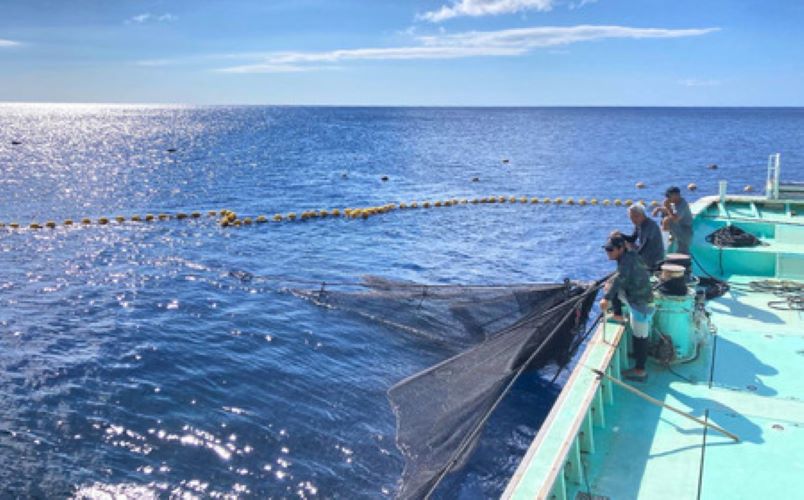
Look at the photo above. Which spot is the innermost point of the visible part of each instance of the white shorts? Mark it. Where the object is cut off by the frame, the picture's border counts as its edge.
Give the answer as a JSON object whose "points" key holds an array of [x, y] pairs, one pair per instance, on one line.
{"points": [[640, 322], [640, 319]]}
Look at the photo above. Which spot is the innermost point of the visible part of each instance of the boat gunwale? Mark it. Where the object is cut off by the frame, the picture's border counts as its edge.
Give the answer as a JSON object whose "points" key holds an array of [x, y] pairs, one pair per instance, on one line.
{"points": [[543, 490]]}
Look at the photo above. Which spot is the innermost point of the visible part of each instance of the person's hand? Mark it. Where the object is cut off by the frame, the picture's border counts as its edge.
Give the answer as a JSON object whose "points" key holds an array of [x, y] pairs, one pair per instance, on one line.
{"points": [[604, 305]]}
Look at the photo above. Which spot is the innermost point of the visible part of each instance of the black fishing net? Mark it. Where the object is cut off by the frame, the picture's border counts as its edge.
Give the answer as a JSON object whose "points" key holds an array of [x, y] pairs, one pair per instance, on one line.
{"points": [[732, 236], [712, 287], [498, 332]]}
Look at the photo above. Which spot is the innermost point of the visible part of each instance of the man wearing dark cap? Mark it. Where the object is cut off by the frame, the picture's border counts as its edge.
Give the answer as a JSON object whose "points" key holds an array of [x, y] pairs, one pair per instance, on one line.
{"points": [[631, 283], [677, 219]]}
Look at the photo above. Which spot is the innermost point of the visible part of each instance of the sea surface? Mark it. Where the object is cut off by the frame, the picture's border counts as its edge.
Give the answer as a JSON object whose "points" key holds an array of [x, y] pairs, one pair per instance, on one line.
{"points": [[169, 359]]}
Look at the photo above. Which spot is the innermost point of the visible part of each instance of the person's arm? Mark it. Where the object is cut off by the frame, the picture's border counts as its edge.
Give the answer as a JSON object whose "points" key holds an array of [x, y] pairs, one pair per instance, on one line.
{"points": [[661, 210], [630, 238], [614, 286], [611, 289], [669, 213]]}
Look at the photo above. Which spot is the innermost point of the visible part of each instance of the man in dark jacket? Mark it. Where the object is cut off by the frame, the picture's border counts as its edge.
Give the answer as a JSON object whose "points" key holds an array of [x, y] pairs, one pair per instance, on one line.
{"points": [[631, 283], [647, 237]]}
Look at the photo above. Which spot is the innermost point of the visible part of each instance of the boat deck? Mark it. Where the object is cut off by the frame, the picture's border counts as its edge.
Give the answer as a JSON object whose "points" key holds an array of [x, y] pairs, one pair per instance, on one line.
{"points": [[746, 380], [601, 441]]}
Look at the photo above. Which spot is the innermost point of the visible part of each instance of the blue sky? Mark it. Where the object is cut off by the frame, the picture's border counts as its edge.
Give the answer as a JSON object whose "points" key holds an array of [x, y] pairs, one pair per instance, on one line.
{"points": [[404, 52]]}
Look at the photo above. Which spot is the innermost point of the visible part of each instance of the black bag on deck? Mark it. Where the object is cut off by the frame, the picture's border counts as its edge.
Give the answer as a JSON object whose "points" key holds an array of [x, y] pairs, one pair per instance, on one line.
{"points": [[734, 237]]}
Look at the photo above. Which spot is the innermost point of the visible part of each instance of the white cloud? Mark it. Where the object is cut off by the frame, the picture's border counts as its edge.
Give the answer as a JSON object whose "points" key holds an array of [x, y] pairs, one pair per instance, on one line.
{"points": [[287, 62], [503, 43], [140, 18], [8, 43], [148, 17], [268, 68], [391, 53], [694, 82], [477, 8], [549, 36], [578, 5]]}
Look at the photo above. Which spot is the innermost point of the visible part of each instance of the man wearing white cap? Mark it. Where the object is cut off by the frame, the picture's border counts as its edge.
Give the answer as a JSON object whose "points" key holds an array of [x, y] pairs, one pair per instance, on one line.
{"points": [[647, 237]]}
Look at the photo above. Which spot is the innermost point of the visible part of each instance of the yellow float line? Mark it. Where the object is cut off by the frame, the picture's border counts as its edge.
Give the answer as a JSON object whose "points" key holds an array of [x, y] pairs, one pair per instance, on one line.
{"points": [[229, 218]]}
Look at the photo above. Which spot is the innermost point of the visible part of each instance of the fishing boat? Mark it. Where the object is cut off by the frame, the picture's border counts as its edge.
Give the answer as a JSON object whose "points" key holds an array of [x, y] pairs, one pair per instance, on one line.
{"points": [[721, 416]]}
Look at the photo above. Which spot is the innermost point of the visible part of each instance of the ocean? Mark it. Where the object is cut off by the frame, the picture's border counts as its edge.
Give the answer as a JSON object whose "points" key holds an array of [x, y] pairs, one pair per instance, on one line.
{"points": [[168, 358]]}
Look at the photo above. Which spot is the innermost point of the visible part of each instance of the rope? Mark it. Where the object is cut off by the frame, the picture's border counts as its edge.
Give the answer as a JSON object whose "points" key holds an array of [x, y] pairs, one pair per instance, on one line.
{"points": [[790, 304], [662, 404], [777, 287], [231, 219], [574, 348], [245, 276], [790, 292]]}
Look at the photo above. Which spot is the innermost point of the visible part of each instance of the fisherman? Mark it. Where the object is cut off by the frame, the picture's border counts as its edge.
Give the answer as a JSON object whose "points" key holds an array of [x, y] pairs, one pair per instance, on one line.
{"points": [[647, 237], [631, 283], [677, 219], [646, 240]]}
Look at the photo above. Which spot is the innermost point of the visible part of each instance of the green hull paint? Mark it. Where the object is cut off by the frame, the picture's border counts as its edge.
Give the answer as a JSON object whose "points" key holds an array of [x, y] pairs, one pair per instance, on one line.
{"points": [[746, 378]]}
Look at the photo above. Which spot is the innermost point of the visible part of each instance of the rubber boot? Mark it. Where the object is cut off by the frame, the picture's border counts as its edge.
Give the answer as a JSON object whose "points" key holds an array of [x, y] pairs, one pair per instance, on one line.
{"points": [[640, 352]]}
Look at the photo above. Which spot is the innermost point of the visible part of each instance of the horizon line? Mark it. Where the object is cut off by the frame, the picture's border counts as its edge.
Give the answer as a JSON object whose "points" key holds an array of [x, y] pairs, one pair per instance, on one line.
{"points": [[321, 105]]}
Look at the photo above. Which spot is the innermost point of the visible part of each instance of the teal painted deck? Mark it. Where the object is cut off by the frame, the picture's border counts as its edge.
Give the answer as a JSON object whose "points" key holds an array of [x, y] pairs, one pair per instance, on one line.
{"points": [[748, 379]]}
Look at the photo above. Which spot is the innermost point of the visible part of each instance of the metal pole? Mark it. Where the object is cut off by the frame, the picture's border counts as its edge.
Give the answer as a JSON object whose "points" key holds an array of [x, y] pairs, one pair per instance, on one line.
{"points": [[644, 396]]}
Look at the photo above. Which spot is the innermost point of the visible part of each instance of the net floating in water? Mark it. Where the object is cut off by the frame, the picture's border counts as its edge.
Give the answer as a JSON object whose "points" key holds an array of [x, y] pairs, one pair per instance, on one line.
{"points": [[497, 332]]}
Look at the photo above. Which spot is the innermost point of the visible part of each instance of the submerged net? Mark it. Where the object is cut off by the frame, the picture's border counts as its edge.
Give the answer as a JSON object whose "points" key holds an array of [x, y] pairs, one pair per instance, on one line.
{"points": [[497, 332]]}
